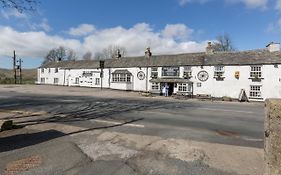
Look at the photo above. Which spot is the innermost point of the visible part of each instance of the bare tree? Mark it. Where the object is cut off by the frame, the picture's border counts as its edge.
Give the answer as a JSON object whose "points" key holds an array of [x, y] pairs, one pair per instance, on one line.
{"points": [[112, 51], [87, 56], [71, 55], [51, 56], [224, 43], [98, 56], [60, 54], [20, 5]]}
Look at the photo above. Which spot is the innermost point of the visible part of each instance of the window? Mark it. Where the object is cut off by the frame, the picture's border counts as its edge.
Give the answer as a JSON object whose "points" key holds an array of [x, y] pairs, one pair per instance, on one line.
{"points": [[256, 72], [97, 81], [219, 71], [155, 86], [154, 72], [42, 70], [56, 80], [49, 70], [56, 70], [121, 78], [42, 80], [255, 92], [187, 72], [76, 80], [184, 87]]}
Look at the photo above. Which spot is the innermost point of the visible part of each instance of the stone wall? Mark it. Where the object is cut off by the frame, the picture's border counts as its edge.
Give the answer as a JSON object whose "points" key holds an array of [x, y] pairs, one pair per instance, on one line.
{"points": [[273, 137]]}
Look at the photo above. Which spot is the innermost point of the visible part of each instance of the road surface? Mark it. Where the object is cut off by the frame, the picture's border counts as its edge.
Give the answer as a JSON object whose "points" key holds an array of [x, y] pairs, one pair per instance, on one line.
{"points": [[232, 124]]}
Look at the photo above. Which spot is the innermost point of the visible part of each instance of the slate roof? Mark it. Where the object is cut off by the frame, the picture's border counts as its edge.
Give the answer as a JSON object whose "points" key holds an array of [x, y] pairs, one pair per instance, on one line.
{"points": [[254, 57], [121, 71]]}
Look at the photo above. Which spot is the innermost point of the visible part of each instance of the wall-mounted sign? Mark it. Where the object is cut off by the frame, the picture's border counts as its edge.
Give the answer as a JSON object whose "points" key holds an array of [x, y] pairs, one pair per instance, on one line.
{"points": [[170, 71], [237, 74], [203, 75], [141, 75]]}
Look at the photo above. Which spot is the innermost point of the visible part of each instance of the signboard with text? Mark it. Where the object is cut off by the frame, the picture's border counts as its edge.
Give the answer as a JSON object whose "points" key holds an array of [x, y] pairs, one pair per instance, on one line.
{"points": [[170, 71]]}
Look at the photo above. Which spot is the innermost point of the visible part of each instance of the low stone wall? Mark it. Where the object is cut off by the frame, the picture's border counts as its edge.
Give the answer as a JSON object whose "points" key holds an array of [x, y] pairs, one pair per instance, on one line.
{"points": [[273, 137]]}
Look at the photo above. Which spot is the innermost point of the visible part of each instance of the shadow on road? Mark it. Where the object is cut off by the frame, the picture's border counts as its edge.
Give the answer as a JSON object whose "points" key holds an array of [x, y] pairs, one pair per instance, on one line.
{"points": [[24, 140]]}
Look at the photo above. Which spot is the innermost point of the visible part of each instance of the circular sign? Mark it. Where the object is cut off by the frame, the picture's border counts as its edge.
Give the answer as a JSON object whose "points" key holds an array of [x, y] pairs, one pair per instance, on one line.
{"points": [[141, 75], [203, 75]]}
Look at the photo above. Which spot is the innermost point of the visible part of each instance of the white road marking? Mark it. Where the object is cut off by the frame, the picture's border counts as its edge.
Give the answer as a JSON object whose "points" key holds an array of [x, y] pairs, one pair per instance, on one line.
{"points": [[227, 110], [251, 139], [118, 123]]}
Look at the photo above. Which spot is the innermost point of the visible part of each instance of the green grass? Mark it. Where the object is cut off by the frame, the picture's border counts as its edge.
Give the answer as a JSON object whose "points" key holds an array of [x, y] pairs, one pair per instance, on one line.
{"points": [[29, 76]]}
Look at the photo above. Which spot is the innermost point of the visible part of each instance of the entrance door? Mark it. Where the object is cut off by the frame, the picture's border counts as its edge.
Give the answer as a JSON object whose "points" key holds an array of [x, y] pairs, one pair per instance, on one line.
{"points": [[171, 88]]}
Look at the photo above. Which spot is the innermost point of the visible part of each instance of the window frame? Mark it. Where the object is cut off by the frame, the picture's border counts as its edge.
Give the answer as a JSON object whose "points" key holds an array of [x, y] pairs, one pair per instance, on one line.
{"points": [[184, 87], [256, 72], [97, 81], [121, 78], [155, 86], [255, 92], [76, 80], [219, 71], [56, 80], [187, 71], [154, 72]]}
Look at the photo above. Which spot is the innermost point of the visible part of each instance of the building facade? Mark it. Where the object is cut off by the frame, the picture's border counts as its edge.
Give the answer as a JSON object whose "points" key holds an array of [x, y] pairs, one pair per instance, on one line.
{"points": [[256, 74]]}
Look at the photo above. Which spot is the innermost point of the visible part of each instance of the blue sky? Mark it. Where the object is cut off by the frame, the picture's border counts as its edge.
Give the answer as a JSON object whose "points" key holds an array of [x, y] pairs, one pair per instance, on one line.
{"points": [[167, 26]]}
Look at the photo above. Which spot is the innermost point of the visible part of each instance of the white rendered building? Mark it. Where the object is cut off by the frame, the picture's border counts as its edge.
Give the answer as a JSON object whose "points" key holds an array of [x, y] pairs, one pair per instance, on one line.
{"points": [[257, 73]]}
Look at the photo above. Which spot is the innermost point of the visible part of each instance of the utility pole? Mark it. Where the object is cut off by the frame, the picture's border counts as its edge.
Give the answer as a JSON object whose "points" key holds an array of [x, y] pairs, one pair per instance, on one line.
{"points": [[20, 70], [101, 73], [14, 67]]}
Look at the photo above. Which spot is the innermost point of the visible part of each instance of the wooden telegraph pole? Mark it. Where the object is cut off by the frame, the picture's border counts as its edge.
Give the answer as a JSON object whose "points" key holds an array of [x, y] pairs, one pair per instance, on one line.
{"points": [[14, 67], [20, 72]]}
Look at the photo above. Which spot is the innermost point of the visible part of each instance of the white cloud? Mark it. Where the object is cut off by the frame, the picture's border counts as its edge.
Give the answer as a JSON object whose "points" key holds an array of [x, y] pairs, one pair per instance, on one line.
{"points": [[12, 13], [36, 44], [184, 2], [31, 44], [249, 3], [274, 28], [278, 5], [82, 30], [177, 31], [44, 24]]}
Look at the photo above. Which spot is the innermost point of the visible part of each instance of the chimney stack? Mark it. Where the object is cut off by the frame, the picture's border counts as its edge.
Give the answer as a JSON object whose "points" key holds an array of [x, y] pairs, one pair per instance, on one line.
{"points": [[273, 47], [209, 48], [148, 53], [118, 54]]}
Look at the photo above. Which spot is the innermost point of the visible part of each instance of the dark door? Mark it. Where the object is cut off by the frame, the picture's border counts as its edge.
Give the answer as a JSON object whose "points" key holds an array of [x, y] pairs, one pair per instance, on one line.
{"points": [[171, 88]]}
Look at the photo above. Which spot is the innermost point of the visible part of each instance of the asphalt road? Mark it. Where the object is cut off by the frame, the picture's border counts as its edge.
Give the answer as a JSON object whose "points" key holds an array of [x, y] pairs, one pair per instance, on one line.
{"points": [[226, 123], [216, 122]]}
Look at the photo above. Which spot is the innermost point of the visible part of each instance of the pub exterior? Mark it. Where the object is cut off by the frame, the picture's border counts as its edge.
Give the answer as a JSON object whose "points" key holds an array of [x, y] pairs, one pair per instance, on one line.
{"points": [[214, 74]]}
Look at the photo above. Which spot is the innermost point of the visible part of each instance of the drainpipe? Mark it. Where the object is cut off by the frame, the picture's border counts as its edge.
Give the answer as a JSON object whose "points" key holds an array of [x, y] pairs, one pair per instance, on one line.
{"points": [[64, 77], [146, 84]]}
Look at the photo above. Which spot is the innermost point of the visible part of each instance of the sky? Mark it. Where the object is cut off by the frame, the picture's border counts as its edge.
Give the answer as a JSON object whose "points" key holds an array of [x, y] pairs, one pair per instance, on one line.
{"points": [[166, 26]]}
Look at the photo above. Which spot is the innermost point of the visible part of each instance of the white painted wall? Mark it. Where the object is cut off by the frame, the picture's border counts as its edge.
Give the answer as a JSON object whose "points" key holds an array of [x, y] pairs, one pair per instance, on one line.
{"points": [[230, 86]]}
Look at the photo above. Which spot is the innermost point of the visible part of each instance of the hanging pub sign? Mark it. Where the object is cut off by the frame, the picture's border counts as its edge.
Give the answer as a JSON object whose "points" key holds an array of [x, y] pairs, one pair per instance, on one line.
{"points": [[170, 71]]}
